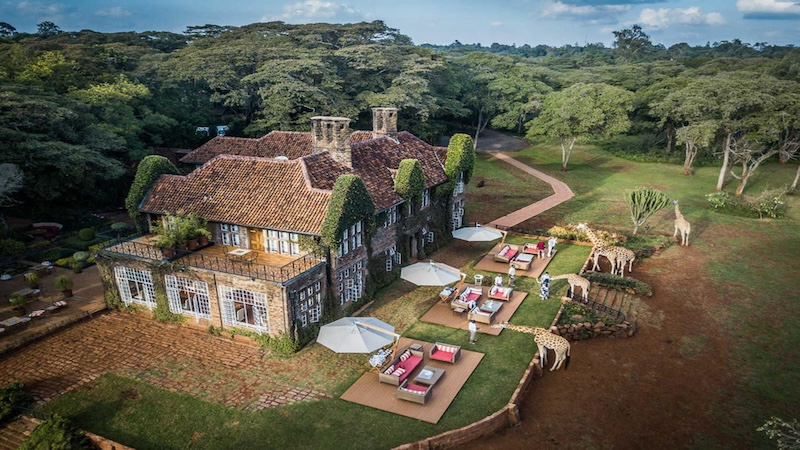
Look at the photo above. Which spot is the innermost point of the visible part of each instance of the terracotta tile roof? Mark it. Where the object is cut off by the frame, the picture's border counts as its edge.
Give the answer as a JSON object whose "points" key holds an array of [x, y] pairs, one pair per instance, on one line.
{"points": [[373, 160], [254, 192], [290, 144]]}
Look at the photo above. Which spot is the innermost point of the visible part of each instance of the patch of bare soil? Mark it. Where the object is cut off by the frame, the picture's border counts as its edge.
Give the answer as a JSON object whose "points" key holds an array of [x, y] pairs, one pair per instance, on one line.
{"points": [[654, 390]]}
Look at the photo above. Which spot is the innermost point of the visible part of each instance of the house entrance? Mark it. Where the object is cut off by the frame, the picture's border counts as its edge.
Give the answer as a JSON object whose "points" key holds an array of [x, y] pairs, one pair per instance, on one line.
{"points": [[256, 237], [412, 244]]}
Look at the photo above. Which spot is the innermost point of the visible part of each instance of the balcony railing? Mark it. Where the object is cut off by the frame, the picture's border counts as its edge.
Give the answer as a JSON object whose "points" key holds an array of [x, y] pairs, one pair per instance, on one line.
{"points": [[254, 270]]}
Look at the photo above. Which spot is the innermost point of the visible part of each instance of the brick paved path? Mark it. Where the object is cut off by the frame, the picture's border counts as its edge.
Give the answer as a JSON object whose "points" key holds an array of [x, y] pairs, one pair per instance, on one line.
{"points": [[167, 356]]}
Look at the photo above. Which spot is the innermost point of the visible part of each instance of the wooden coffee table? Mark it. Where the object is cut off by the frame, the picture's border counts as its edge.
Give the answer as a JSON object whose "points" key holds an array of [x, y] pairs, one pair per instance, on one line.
{"points": [[436, 373]]}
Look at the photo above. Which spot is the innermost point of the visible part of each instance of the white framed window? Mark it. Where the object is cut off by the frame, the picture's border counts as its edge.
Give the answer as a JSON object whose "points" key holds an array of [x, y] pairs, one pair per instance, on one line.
{"points": [[244, 308], [135, 286], [430, 237], [389, 265], [309, 308], [351, 282], [351, 238], [459, 188], [230, 234], [283, 242], [187, 296], [426, 198], [391, 216]]}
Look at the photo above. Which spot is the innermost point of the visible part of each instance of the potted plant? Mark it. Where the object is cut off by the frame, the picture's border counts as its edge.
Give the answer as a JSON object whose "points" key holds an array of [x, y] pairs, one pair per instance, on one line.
{"points": [[64, 284], [166, 242], [203, 235], [80, 261], [33, 280], [17, 301]]}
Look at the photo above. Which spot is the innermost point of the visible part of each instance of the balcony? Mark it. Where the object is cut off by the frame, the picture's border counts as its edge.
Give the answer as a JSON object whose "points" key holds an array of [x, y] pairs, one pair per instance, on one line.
{"points": [[261, 265]]}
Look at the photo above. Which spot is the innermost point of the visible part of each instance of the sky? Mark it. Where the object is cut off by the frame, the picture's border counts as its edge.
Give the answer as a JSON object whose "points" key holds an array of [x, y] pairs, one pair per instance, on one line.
{"points": [[533, 22]]}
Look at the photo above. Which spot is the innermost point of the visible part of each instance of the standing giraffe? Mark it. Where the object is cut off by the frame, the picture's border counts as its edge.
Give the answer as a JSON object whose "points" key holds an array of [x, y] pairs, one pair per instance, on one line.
{"points": [[617, 256], [575, 280], [544, 340], [682, 225]]}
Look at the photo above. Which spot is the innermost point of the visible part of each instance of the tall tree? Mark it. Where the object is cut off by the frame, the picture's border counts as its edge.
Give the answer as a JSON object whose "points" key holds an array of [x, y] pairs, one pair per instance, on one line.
{"points": [[632, 43], [582, 111]]}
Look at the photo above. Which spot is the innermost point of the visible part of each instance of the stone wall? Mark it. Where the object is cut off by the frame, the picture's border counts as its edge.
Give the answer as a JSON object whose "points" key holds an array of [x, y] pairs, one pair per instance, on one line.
{"points": [[503, 418], [588, 330]]}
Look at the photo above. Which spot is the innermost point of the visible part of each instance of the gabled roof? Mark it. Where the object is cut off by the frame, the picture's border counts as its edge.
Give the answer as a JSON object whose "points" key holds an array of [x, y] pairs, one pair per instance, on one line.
{"points": [[254, 192], [292, 195]]}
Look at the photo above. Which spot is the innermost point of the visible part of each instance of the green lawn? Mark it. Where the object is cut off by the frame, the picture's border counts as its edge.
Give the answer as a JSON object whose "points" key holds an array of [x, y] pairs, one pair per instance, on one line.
{"points": [[752, 263]]}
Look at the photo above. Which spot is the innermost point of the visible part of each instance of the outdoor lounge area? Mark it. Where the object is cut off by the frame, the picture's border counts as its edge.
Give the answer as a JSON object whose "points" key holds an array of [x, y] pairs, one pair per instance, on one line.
{"points": [[434, 393], [527, 264], [488, 311]]}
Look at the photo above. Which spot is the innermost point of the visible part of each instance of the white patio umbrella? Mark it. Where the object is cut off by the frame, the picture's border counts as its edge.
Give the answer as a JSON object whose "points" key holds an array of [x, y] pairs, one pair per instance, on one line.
{"points": [[475, 234], [430, 274], [356, 335]]}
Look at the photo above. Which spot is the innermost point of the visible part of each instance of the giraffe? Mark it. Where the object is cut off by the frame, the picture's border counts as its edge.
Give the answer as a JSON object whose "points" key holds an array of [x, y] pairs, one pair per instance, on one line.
{"points": [[682, 225], [575, 280], [544, 340], [617, 256]]}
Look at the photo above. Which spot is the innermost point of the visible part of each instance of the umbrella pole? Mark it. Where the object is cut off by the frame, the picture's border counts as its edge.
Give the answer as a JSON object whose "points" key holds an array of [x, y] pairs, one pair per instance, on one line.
{"points": [[505, 233]]}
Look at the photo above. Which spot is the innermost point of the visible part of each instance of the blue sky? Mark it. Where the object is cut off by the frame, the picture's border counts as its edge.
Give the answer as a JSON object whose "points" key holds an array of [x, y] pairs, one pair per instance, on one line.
{"points": [[550, 22]]}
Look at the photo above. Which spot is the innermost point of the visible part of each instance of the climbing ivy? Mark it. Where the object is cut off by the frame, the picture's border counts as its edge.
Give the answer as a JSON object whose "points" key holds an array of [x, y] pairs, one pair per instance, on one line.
{"points": [[410, 180], [460, 158], [350, 202], [151, 167]]}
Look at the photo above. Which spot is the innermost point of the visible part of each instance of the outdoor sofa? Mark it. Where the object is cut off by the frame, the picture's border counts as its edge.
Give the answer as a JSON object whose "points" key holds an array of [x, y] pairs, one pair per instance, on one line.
{"points": [[413, 392], [507, 253], [400, 368], [467, 296], [481, 316], [500, 293], [445, 352]]}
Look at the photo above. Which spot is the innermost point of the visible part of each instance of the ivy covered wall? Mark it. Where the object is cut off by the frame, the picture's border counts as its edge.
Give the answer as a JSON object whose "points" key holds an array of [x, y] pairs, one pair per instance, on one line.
{"points": [[350, 202]]}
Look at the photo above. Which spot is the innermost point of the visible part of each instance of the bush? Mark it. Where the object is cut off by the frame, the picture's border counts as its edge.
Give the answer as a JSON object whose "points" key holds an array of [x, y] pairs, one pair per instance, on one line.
{"points": [[10, 396], [572, 233], [767, 204], [57, 433], [86, 234], [620, 283], [11, 247], [80, 256]]}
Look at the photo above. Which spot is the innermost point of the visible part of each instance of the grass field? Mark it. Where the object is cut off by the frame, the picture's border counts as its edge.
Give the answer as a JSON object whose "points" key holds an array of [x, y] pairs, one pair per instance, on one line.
{"points": [[751, 262]]}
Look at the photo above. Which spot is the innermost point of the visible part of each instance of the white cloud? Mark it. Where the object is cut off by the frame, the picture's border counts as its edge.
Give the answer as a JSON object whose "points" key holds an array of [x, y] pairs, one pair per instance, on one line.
{"points": [[563, 10], [496, 23], [116, 11], [317, 10], [667, 17], [768, 7], [40, 8]]}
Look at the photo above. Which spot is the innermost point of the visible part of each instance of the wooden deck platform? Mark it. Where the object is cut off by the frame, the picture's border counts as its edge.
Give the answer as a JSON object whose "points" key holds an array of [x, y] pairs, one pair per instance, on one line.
{"points": [[368, 391], [488, 264], [442, 314]]}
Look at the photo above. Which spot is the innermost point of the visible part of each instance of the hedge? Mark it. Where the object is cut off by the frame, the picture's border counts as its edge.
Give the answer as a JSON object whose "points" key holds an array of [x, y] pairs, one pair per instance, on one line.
{"points": [[639, 288]]}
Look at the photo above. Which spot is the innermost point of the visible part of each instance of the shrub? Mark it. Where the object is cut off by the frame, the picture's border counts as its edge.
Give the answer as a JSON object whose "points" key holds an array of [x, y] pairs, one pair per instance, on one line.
{"points": [[76, 266], [572, 233], [11, 247], [767, 204], [86, 234], [16, 300], [80, 256], [33, 279], [10, 396], [150, 168], [63, 283], [639, 288], [57, 433]]}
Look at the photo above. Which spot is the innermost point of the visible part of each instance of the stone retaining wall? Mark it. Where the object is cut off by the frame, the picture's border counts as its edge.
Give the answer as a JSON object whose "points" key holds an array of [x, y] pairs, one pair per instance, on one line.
{"points": [[588, 330], [503, 418]]}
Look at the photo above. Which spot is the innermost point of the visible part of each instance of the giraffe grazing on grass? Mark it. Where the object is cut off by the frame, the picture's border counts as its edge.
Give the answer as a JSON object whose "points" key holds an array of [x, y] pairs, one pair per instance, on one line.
{"points": [[544, 340], [617, 256], [682, 225], [575, 280]]}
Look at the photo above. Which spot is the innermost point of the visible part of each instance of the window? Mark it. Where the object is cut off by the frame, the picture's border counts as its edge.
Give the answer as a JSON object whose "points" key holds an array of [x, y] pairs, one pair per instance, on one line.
{"points": [[187, 296], [283, 242], [391, 216], [460, 184], [243, 308], [351, 238], [426, 198], [309, 304], [351, 282], [230, 234], [390, 257], [135, 286]]}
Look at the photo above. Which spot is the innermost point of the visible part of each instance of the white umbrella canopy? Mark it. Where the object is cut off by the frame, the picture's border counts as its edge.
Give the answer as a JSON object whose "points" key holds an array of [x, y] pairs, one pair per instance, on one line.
{"points": [[356, 335], [430, 274], [476, 234]]}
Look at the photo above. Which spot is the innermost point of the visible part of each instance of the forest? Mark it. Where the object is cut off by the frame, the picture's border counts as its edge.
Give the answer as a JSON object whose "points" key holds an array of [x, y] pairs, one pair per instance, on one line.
{"points": [[79, 109]]}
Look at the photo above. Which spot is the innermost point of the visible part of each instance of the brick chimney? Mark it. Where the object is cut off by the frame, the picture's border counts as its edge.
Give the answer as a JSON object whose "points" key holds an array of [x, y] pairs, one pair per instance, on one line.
{"points": [[332, 134], [384, 122]]}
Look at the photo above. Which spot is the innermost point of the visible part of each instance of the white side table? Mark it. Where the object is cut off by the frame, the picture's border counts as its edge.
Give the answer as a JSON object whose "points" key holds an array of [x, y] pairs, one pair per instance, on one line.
{"points": [[479, 280]]}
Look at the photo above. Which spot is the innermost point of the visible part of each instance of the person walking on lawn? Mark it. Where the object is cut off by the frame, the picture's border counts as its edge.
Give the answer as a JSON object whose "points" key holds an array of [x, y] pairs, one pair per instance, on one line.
{"points": [[473, 331], [511, 273]]}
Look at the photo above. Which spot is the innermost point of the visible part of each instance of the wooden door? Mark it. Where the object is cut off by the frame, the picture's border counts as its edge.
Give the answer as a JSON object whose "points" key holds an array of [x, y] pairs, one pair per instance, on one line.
{"points": [[256, 237]]}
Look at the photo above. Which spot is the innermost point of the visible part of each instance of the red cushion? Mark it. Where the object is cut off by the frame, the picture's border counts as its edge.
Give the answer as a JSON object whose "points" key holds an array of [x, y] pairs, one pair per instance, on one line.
{"points": [[416, 387], [442, 355], [511, 253]]}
